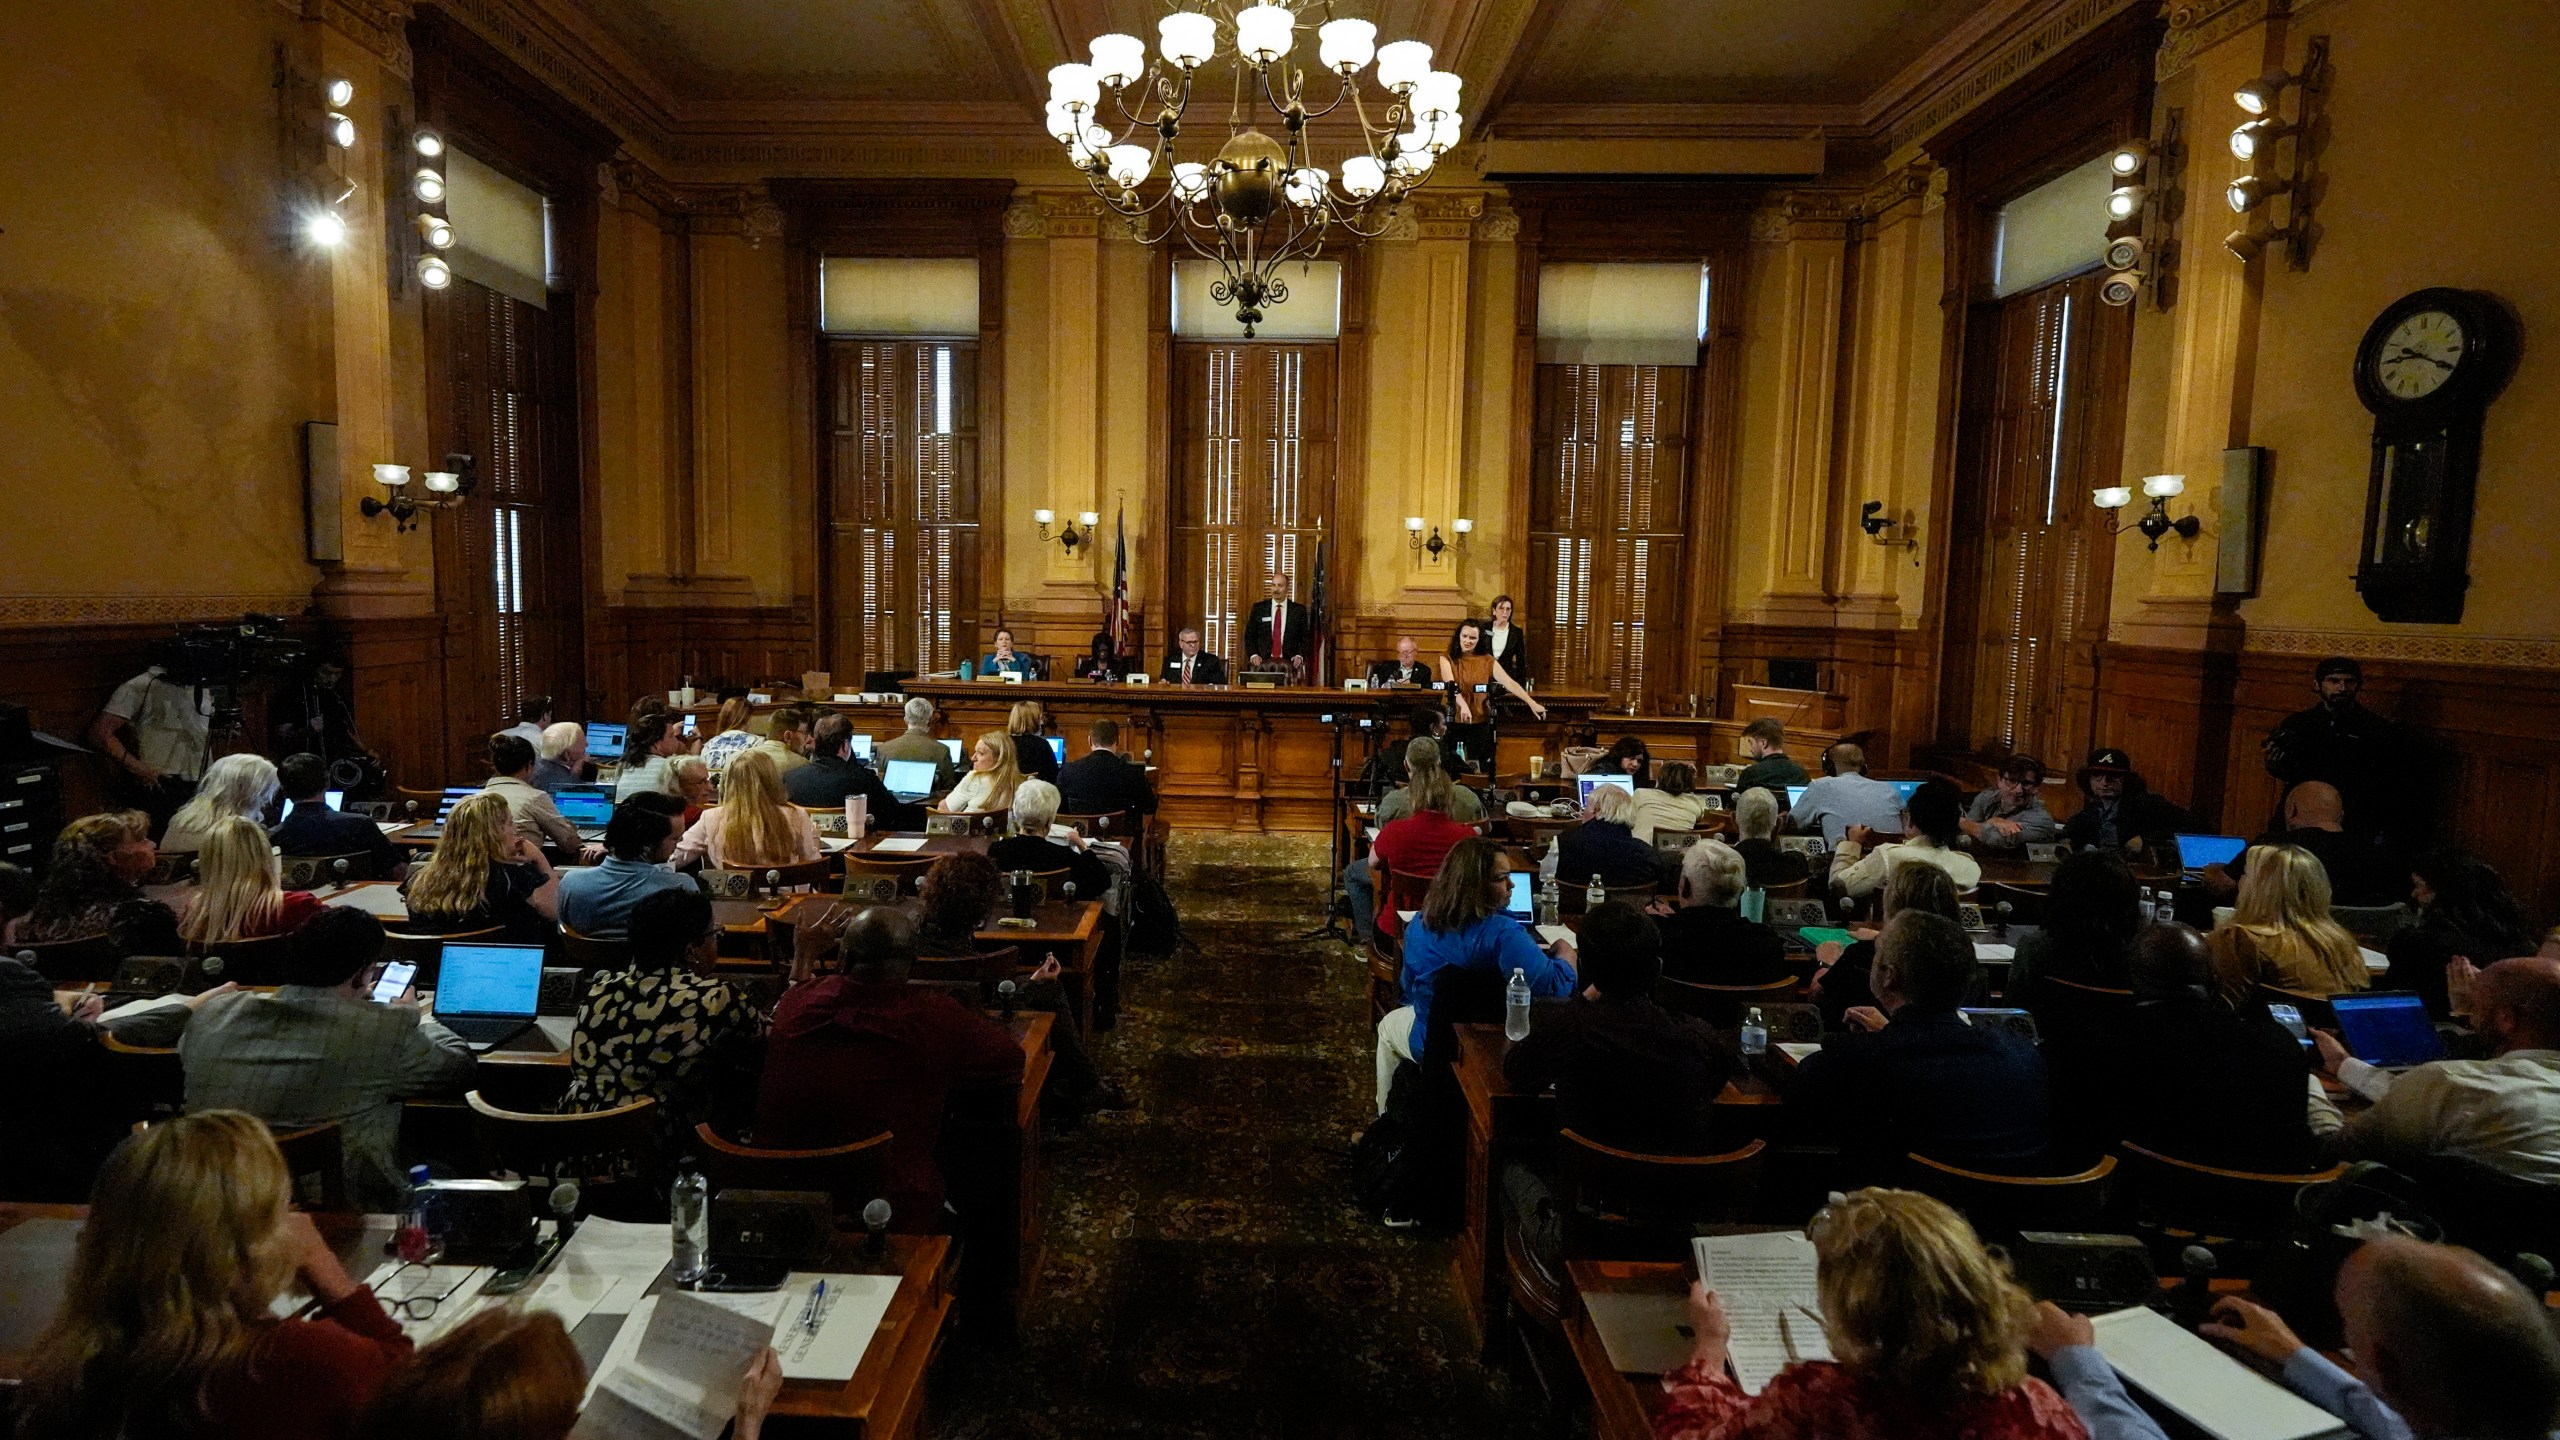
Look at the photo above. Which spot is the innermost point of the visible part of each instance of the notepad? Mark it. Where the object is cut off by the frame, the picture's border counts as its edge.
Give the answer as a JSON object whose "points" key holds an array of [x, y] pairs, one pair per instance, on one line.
{"points": [[900, 845], [2207, 1388], [1554, 933], [1797, 1050], [847, 1316], [1771, 1299], [1644, 1333], [1819, 934], [1985, 950], [674, 1369]]}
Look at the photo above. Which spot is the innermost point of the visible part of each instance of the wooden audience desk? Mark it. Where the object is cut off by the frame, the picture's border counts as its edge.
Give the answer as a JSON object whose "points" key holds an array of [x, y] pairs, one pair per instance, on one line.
{"points": [[883, 1401], [1068, 929], [1505, 1124]]}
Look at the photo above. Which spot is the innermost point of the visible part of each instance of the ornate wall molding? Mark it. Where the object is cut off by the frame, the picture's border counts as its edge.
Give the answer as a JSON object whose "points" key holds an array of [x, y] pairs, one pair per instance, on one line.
{"points": [[2199, 25], [1500, 227], [1023, 221], [2517, 652], [1445, 216], [1941, 88], [1912, 182], [26, 610], [380, 26], [1804, 215]]}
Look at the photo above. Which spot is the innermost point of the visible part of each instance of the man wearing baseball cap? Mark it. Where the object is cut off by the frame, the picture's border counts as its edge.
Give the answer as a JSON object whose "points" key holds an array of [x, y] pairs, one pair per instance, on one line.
{"points": [[2341, 743], [2010, 815], [2119, 812]]}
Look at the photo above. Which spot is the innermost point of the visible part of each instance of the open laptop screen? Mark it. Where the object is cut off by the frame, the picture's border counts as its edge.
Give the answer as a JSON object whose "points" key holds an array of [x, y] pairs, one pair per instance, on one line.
{"points": [[489, 980], [954, 747], [909, 778], [1058, 747], [604, 742], [862, 748], [1522, 902], [2197, 851], [584, 811], [1795, 795], [2388, 1028], [1585, 784], [1905, 788]]}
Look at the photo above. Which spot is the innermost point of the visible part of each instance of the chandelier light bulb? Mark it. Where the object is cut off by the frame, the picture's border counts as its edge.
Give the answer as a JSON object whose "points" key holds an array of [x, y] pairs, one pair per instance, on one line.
{"points": [[1363, 176], [327, 229], [1190, 181], [1119, 59], [436, 231], [1264, 32], [1187, 39], [1403, 64], [1345, 45], [1437, 94], [342, 131], [1306, 187], [1073, 84], [433, 272], [427, 185], [428, 144], [341, 92], [1130, 164], [2124, 202]]}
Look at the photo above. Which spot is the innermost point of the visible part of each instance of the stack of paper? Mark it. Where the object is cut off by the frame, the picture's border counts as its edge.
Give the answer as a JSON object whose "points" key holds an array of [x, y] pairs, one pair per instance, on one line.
{"points": [[674, 1370], [1767, 1285], [899, 845], [2209, 1389]]}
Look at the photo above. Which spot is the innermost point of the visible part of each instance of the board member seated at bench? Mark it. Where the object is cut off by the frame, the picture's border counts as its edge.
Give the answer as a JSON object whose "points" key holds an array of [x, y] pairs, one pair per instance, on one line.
{"points": [[1005, 660], [1191, 665], [1406, 669]]}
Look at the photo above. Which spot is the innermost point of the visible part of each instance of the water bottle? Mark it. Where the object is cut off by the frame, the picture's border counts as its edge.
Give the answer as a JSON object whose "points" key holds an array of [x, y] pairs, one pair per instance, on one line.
{"points": [[2164, 907], [420, 1238], [1515, 1006], [1755, 1037], [689, 1221], [1755, 904], [1594, 895], [1550, 901]]}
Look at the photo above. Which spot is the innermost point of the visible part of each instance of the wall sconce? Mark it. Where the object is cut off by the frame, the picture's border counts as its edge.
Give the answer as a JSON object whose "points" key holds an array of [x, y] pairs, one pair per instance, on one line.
{"points": [[1435, 546], [2155, 522], [2142, 211], [1068, 537], [445, 488], [2256, 143], [1873, 520]]}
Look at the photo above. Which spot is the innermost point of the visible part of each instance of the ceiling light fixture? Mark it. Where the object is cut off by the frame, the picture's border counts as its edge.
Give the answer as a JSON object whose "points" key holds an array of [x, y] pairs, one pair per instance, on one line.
{"points": [[1260, 201]]}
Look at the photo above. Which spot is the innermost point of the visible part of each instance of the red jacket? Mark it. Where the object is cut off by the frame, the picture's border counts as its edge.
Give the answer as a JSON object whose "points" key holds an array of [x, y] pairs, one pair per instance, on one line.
{"points": [[848, 1059], [1414, 845], [311, 1379]]}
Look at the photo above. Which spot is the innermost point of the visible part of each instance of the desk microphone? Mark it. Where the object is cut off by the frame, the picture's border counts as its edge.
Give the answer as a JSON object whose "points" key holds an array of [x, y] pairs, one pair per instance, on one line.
{"points": [[1006, 990], [875, 1218], [2532, 1272], [564, 1208], [2194, 1300], [2002, 910], [413, 812]]}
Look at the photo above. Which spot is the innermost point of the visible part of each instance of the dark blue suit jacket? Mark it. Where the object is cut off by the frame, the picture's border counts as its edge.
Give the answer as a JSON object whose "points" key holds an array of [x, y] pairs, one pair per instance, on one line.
{"points": [[1929, 1083]]}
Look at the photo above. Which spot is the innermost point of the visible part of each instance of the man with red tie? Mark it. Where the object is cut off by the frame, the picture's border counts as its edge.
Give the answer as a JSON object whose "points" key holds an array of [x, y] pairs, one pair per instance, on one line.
{"points": [[1190, 665], [1279, 630]]}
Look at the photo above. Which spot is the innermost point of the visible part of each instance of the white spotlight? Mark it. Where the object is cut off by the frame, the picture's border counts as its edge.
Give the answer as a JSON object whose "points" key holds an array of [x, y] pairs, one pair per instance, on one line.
{"points": [[433, 272], [427, 143], [341, 92], [427, 185], [327, 229], [342, 131]]}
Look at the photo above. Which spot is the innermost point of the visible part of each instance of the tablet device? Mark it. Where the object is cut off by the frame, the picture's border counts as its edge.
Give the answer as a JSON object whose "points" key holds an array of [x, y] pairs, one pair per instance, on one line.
{"points": [[2387, 1028]]}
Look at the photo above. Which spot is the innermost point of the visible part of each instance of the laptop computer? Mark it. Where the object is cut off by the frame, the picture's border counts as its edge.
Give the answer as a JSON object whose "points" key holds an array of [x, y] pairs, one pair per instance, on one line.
{"points": [[604, 742], [488, 994], [862, 748], [1058, 747], [1583, 785], [909, 779], [1795, 795], [1521, 903], [953, 746], [2387, 1028], [1905, 788], [587, 812], [2197, 851], [329, 799]]}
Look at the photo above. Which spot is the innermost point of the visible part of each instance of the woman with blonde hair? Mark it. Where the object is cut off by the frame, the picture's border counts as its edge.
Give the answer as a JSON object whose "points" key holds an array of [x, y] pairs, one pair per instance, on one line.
{"points": [[98, 863], [235, 785], [240, 892], [1031, 753], [167, 1325], [730, 737], [993, 774], [1929, 1333], [2281, 934], [754, 824], [484, 872]]}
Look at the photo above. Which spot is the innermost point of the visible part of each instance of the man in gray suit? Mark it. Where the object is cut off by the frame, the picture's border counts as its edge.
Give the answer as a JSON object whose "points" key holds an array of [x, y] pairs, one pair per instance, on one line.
{"points": [[918, 744], [321, 1049]]}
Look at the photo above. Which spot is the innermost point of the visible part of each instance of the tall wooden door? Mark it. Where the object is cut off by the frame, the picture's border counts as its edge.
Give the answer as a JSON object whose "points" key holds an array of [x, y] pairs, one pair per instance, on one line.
{"points": [[1608, 518], [903, 584], [1252, 481]]}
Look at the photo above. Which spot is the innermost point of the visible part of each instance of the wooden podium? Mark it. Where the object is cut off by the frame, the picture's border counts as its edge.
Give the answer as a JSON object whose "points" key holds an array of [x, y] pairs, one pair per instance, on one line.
{"points": [[1808, 709]]}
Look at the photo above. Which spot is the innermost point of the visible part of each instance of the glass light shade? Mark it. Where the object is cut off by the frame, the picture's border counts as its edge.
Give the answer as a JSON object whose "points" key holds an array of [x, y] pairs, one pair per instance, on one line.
{"points": [[1062, 122], [1187, 39], [1402, 64], [1413, 523], [433, 272], [341, 93], [436, 231], [427, 185], [1462, 526], [1190, 180], [443, 482], [1073, 84], [2161, 487], [1305, 187], [2112, 497], [427, 143], [1130, 164], [1088, 518], [2128, 158], [1093, 147], [2124, 202], [1345, 45], [1444, 132], [394, 476], [1437, 93], [1362, 177], [1264, 32], [342, 131], [1043, 517], [1119, 59], [326, 228]]}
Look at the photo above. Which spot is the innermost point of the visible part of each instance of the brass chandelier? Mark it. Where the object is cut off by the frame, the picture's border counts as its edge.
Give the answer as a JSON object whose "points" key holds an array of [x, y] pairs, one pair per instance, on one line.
{"points": [[1261, 201]]}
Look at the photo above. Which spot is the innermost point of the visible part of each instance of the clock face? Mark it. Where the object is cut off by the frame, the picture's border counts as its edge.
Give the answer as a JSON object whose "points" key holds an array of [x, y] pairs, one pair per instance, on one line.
{"points": [[2420, 355]]}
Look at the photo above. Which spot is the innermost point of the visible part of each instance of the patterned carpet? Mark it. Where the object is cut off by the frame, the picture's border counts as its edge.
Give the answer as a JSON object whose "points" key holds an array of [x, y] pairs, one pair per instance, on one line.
{"points": [[1207, 1275]]}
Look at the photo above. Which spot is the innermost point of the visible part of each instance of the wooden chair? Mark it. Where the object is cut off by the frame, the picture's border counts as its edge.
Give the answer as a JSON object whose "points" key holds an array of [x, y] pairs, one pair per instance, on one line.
{"points": [[2374, 925], [2184, 1199], [853, 1175], [799, 875], [1127, 826], [1402, 893], [1050, 882], [2026, 907], [143, 1082], [310, 872], [2003, 1205], [1621, 1205], [1386, 976], [1723, 1006], [1541, 1296], [245, 962], [907, 873], [532, 1144], [173, 867], [66, 963], [981, 972], [1574, 899], [1797, 889], [316, 1158], [588, 953]]}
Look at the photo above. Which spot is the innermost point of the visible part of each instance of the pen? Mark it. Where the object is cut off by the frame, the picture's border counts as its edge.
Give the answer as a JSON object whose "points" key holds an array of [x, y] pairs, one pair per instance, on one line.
{"points": [[809, 1318]]}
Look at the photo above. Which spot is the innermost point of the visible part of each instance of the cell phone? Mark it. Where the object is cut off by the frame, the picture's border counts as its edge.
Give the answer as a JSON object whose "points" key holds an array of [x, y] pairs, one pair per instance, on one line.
{"points": [[689, 722], [394, 982], [2290, 1017]]}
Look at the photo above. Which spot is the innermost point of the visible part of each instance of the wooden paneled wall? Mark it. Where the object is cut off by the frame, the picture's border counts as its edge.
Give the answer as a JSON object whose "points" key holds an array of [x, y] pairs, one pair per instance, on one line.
{"points": [[643, 648], [1876, 669]]}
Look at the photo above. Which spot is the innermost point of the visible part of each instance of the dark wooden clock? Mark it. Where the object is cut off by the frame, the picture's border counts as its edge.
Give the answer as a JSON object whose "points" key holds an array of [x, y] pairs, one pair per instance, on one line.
{"points": [[2428, 368]]}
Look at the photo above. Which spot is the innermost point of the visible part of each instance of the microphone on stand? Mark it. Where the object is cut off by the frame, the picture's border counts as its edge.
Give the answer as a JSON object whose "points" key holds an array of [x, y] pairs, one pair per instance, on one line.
{"points": [[875, 1218], [2194, 1300]]}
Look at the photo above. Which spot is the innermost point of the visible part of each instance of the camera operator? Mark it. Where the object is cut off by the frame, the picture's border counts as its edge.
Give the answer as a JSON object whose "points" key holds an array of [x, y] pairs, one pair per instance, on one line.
{"points": [[157, 730]]}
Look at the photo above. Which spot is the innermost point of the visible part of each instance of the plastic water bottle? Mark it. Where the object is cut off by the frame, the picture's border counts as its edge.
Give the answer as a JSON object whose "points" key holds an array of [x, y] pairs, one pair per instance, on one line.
{"points": [[420, 1238], [689, 1221], [1594, 895], [1550, 901], [1755, 1036], [1515, 1006], [1755, 904], [2164, 907]]}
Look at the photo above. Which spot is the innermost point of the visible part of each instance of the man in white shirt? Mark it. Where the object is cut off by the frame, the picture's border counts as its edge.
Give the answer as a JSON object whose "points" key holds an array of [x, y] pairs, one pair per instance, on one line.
{"points": [[530, 719], [511, 761], [2502, 1112], [1846, 797], [170, 724]]}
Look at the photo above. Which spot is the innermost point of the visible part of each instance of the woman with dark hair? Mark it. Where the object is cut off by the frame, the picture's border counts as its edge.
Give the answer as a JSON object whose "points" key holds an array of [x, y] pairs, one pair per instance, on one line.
{"points": [[1462, 926], [1932, 831], [1473, 675], [99, 862], [1507, 643], [662, 1025], [2465, 911], [2092, 911], [1628, 757], [953, 901], [1101, 662]]}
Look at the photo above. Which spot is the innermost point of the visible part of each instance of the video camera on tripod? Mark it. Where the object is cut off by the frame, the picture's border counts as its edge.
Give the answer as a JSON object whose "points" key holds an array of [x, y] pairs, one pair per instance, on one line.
{"points": [[216, 660]]}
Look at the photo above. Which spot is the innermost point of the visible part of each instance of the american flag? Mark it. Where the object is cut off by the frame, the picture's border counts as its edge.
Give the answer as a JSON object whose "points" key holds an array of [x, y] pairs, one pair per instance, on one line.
{"points": [[1316, 619], [1115, 614]]}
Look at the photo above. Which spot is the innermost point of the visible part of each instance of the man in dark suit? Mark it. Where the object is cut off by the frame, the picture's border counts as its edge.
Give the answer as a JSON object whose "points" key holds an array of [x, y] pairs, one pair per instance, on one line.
{"points": [[1406, 669], [1191, 665], [1279, 628], [1925, 1080], [2217, 1085], [311, 828], [1104, 781]]}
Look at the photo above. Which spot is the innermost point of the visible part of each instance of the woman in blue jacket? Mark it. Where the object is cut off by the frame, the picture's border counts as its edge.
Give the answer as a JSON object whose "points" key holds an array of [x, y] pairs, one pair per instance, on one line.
{"points": [[1462, 924]]}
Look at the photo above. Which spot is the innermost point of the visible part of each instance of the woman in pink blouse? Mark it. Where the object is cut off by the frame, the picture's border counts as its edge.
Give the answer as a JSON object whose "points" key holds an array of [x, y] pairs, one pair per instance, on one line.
{"points": [[1930, 1331]]}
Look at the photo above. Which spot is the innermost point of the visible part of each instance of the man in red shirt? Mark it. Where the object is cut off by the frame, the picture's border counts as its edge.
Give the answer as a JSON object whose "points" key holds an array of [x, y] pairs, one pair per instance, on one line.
{"points": [[856, 1053]]}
